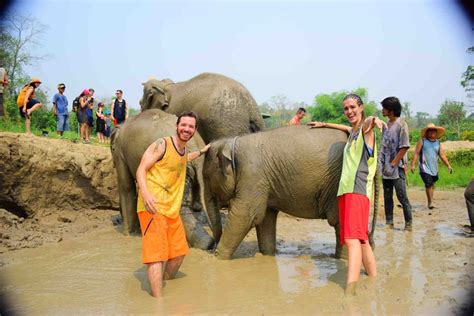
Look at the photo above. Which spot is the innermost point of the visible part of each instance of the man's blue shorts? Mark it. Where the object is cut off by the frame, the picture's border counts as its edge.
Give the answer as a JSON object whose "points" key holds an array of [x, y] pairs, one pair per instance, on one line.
{"points": [[62, 122]]}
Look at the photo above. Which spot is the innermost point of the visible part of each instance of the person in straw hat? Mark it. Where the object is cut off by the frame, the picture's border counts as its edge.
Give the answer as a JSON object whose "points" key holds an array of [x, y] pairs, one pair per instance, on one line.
{"points": [[427, 150], [26, 102]]}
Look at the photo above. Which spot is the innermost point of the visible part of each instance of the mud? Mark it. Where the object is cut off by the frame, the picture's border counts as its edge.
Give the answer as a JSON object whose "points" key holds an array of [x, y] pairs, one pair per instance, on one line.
{"points": [[427, 271], [39, 174]]}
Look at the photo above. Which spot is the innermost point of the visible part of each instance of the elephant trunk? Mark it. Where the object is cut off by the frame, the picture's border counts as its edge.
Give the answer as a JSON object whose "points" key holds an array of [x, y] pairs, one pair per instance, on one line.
{"points": [[213, 213], [376, 208]]}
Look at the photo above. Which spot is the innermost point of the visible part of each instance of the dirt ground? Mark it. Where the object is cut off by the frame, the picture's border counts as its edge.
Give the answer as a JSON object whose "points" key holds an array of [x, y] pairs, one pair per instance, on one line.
{"points": [[94, 269]]}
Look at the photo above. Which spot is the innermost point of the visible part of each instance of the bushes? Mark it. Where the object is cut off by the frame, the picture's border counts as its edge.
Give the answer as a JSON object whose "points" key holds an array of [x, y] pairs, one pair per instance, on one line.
{"points": [[461, 157], [467, 135]]}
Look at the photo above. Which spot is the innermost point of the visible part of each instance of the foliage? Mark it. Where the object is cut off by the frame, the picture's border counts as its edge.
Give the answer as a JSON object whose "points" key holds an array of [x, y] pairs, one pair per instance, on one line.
{"points": [[422, 119], [19, 36], [451, 114], [459, 178], [462, 162], [406, 110], [328, 107], [467, 81], [133, 112], [414, 136], [468, 135]]}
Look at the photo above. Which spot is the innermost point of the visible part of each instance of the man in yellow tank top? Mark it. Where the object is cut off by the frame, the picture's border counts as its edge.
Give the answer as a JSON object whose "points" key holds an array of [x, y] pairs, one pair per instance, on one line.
{"points": [[160, 177]]}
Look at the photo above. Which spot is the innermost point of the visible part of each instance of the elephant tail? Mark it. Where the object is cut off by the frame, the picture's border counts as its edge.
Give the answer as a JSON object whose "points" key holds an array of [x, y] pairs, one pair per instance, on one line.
{"points": [[376, 208]]}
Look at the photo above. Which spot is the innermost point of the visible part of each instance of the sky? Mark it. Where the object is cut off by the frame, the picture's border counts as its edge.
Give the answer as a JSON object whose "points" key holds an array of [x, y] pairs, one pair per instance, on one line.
{"points": [[415, 50]]}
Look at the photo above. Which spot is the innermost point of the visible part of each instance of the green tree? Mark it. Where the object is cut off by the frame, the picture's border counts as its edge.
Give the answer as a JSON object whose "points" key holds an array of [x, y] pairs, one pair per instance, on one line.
{"points": [[406, 110], [328, 107], [452, 114], [19, 37], [468, 79], [422, 119]]}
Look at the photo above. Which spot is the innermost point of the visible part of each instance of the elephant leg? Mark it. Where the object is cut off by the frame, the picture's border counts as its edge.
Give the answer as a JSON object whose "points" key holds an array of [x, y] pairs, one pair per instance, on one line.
{"points": [[127, 198], [266, 233], [196, 235], [244, 213]]}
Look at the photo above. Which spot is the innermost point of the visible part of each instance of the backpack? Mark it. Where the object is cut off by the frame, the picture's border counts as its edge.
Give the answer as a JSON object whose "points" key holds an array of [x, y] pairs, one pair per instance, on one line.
{"points": [[76, 105], [20, 100]]}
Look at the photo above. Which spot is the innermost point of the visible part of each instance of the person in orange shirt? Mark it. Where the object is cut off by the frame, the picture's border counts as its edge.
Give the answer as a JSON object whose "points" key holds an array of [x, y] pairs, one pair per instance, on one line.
{"points": [[161, 176], [297, 118]]}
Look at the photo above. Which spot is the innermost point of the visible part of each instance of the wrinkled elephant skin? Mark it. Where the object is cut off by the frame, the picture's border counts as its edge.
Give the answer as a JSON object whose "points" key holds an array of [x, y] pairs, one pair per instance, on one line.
{"points": [[294, 169], [224, 106]]}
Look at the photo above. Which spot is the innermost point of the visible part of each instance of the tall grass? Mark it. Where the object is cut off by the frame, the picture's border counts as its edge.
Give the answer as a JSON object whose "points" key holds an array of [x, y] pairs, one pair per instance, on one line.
{"points": [[462, 162]]}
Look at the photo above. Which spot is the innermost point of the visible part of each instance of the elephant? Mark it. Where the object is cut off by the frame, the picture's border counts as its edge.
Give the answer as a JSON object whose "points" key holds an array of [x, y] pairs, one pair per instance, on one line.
{"points": [[225, 108], [129, 142], [292, 169]]}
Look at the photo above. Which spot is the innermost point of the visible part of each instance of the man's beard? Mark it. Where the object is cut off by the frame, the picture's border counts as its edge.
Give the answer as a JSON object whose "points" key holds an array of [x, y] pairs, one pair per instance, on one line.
{"points": [[181, 138]]}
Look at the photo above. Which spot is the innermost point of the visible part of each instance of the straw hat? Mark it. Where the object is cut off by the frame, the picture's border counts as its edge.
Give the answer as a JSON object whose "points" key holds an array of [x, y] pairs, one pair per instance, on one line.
{"points": [[35, 79], [439, 130]]}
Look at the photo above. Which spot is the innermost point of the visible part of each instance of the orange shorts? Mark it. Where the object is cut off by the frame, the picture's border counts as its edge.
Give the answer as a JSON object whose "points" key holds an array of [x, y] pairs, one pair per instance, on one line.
{"points": [[163, 238], [354, 217]]}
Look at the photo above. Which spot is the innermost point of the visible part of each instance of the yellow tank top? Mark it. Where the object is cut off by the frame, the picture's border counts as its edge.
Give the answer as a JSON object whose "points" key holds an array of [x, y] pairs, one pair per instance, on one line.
{"points": [[165, 180]]}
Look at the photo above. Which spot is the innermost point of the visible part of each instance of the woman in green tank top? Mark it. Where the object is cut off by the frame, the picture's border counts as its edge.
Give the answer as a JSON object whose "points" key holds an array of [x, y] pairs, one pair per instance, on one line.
{"points": [[359, 164]]}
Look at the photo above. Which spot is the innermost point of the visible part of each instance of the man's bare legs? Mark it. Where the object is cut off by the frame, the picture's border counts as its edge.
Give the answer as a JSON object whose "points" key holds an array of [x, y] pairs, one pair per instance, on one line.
{"points": [[28, 117], [156, 276], [429, 196], [358, 253], [172, 267]]}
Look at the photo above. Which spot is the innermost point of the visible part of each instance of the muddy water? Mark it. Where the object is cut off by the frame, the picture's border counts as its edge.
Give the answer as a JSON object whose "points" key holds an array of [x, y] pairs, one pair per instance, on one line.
{"points": [[428, 271]]}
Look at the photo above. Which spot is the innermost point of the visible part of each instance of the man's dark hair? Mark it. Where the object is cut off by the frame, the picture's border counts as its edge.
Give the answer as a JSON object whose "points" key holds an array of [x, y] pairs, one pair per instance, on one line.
{"points": [[91, 90], [187, 114], [120, 91], [301, 110], [392, 104]]}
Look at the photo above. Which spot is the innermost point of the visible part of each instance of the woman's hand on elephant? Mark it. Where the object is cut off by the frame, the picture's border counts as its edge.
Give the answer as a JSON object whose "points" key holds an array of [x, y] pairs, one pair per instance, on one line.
{"points": [[149, 201], [316, 124]]}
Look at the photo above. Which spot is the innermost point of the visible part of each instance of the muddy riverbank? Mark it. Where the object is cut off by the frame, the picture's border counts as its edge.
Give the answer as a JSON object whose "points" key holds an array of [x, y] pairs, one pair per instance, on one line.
{"points": [[427, 271]]}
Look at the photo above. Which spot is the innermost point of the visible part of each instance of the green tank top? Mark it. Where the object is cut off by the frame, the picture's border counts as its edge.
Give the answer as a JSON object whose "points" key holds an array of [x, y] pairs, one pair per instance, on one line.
{"points": [[358, 166]]}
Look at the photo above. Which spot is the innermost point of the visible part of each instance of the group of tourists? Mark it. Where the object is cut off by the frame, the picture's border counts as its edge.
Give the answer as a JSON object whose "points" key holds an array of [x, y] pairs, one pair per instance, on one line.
{"points": [[84, 106]]}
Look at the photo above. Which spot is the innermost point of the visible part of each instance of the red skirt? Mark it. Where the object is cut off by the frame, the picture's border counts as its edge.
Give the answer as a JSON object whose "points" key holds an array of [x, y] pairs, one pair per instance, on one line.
{"points": [[354, 217]]}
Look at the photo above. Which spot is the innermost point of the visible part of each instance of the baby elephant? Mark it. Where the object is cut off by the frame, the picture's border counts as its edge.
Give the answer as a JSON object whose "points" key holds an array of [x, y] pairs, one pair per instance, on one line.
{"points": [[293, 169]]}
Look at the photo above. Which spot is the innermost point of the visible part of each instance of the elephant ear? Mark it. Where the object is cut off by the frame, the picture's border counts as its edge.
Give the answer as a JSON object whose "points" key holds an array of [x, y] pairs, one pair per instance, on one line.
{"points": [[225, 159]]}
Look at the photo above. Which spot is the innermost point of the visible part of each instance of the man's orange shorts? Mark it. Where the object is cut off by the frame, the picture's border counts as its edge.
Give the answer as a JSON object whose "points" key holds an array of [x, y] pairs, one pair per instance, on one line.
{"points": [[354, 217], [163, 238]]}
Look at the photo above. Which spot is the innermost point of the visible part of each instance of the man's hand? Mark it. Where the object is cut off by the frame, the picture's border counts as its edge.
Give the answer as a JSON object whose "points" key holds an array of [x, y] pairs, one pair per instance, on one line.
{"points": [[149, 201], [450, 169], [412, 168], [205, 149], [316, 124]]}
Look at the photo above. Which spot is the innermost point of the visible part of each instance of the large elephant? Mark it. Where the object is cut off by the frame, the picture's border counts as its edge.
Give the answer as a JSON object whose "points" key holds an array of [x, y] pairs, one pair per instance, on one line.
{"points": [[225, 107], [291, 169], [129, 142]]}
